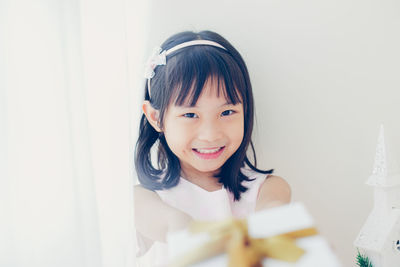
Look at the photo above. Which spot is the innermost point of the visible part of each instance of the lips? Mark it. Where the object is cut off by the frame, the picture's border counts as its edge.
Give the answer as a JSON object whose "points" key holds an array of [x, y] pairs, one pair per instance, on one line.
{"points": [[208, 153]]}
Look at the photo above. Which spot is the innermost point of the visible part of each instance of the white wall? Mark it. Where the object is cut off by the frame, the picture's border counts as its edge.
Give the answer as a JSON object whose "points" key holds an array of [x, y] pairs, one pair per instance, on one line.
{"points": [[325, 75]]}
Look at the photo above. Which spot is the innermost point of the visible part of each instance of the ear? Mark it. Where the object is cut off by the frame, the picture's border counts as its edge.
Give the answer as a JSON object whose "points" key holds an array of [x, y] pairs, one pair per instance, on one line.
{"points": [[152, 115]]}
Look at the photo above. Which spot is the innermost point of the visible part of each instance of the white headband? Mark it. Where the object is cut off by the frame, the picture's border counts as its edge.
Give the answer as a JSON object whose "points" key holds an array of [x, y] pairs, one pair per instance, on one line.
{"points": [[160, 57]]}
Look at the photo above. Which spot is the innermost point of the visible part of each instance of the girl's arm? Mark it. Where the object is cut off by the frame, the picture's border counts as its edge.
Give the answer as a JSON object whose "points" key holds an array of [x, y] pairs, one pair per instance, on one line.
{"points": [[154, 218], [274, 191]]}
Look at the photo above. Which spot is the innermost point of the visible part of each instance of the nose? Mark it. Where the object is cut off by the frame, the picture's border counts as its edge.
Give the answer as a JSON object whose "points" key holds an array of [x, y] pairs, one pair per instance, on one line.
{"points": [[210, 131]]}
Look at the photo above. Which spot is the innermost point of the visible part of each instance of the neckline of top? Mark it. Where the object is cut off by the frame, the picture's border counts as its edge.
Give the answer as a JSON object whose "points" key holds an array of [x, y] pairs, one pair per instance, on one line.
{"points": [[197, 187]]}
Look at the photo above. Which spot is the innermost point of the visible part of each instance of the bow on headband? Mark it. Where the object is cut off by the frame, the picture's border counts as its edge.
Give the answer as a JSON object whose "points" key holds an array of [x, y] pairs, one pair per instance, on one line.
{"points": [[157, 58]]}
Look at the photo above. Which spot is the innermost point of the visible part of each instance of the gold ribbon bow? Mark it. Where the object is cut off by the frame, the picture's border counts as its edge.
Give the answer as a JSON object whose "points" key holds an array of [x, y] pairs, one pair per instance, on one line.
{"points": [[231, 236]]}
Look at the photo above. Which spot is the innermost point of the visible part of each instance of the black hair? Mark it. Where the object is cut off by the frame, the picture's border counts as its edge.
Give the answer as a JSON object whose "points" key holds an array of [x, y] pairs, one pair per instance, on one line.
{"points": [[181, 81]]}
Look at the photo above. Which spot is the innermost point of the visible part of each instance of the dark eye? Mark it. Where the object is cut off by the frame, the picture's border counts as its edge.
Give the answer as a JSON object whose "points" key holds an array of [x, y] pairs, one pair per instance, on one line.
{"points": [[227, 112], [190, 115]]}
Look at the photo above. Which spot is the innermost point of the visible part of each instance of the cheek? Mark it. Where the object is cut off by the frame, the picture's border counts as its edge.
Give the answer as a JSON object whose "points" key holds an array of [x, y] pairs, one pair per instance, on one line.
{"points": [[238, 135], [173, 143], [236, 131], [177, 136]]}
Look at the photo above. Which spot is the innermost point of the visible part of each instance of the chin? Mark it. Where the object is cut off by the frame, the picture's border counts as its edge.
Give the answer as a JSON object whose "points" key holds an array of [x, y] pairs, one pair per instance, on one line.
{"points": [[208, 169]]}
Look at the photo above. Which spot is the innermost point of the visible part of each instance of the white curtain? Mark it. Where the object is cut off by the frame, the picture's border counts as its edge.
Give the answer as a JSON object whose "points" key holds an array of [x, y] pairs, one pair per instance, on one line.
{"points": [[67, 132]]}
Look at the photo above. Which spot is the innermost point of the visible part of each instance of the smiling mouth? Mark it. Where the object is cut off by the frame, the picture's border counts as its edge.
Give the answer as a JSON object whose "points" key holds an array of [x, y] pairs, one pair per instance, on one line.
{"points": [[207, 150], [208, 153]]}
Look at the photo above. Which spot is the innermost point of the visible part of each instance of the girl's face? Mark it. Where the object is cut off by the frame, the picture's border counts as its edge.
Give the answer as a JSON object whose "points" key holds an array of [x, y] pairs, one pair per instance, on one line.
{"points": [[203, 137]]}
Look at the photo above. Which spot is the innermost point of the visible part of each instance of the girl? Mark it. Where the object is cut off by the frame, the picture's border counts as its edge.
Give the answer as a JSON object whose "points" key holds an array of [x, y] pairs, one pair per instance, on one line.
{"points": [[198, 118]]}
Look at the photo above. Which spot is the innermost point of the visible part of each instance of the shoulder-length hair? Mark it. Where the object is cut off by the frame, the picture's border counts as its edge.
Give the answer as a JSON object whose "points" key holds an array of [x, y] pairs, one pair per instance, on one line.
{"points": [[181, 81]]}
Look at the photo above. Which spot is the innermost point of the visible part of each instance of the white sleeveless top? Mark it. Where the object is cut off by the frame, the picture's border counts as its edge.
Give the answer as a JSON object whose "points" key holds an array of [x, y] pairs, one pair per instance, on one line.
{"points": [[201, 204]]}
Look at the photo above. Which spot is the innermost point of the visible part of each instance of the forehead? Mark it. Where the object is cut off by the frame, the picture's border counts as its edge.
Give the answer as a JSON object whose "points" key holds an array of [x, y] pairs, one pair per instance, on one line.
{"points": [[212, 88]]}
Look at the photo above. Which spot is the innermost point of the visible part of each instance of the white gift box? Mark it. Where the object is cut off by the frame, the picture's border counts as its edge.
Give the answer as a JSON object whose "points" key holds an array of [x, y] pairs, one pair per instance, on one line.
{"points": [[264, 224]]}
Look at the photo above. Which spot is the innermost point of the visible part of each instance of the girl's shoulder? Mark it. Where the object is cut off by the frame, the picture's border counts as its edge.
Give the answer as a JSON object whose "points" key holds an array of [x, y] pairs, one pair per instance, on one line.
{"points": [[274, 191]]}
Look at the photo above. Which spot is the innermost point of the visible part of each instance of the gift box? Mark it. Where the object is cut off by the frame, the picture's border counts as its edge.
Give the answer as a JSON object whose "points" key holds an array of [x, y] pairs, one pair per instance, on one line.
{"points": [[279, 237]]}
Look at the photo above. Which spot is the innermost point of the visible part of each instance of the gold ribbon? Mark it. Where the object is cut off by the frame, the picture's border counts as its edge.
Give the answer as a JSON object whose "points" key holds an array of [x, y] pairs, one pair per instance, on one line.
{"points": [[231, 236]]}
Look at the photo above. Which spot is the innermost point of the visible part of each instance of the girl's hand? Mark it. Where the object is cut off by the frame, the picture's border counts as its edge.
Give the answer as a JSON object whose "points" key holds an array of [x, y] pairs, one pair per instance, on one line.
{"points": [[154, 218], [178, 220], [143, 243]]}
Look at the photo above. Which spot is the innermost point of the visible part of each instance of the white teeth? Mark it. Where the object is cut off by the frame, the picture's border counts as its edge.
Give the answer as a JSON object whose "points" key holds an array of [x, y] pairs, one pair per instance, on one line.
{"points": [[207, 151]]}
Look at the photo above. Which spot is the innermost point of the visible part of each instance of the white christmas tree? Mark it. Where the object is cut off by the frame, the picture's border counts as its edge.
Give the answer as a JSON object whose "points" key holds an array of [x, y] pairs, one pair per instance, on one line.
{"points": [[380, 235]]}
